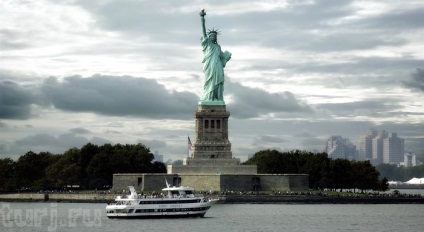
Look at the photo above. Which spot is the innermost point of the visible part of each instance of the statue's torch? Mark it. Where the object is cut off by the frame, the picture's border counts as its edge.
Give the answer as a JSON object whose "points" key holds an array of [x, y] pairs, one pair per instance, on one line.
{"points": [[202, 12]]}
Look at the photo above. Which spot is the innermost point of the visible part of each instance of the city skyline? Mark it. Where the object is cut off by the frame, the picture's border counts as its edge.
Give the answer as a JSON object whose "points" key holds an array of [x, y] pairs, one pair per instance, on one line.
{"points": [[73, 72], [375, 146]]}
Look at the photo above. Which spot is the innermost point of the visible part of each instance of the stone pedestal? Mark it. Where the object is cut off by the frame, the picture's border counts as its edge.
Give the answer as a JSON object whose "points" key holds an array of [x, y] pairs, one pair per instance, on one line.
{"points": [[211, 148], [211, 141]]}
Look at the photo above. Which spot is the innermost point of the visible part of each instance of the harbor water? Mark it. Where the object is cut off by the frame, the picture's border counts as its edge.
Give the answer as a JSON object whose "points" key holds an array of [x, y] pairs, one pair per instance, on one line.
{"points": [[221, 217]]}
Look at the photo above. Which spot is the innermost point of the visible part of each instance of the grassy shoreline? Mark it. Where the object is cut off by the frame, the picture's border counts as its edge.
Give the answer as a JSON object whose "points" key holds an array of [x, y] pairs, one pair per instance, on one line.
{"points": [[235, 198]]}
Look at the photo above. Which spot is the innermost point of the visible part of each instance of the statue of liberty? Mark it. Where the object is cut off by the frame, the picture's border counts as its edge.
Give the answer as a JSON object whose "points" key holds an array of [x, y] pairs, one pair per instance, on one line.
{"points": [[213, 66]]}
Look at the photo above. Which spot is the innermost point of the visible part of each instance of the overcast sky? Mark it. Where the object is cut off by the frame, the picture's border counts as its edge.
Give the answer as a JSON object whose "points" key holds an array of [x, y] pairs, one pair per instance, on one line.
{"points": [[130, 71]]}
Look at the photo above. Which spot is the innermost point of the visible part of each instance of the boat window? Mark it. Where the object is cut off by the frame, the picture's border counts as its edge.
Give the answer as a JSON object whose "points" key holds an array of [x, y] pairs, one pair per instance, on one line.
{"points": [[188, 192]]}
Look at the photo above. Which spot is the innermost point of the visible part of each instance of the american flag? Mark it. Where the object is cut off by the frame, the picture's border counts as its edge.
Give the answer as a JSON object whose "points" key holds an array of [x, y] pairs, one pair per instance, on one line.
{"points": [[189, 143]]}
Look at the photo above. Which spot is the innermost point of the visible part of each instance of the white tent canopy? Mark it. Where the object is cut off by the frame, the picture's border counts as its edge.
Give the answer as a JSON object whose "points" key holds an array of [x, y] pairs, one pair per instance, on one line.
{"points": [[415, 181]]}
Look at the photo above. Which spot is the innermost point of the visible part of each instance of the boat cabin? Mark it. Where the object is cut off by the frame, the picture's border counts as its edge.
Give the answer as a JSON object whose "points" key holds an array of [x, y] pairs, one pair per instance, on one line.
{"points": [[179, 192]]}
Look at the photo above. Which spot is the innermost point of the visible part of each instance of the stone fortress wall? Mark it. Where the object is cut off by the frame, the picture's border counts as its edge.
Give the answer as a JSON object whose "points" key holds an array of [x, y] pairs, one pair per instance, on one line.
{"points": [[145, 182]]}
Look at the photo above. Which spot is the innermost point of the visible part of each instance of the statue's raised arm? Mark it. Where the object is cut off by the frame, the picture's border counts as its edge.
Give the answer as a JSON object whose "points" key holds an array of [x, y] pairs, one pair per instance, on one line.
{"points": [[202, 18], [214, 61]]}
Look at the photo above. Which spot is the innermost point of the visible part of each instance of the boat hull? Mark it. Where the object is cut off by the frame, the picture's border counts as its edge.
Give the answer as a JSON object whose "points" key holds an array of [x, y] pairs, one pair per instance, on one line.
{"points": [[195, 215]]}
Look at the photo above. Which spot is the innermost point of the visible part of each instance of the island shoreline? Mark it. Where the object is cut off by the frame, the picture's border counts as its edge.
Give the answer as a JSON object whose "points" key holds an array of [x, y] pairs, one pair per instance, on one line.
{"points": [[225, 199]]}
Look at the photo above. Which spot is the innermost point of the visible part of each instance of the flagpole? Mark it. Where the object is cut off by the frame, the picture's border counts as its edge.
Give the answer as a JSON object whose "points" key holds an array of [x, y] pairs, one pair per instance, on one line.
{"points": [[189, 146]]}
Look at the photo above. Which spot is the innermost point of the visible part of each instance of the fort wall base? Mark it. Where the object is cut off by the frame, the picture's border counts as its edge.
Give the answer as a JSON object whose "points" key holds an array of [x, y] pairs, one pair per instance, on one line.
{"points": [[212, 182]]}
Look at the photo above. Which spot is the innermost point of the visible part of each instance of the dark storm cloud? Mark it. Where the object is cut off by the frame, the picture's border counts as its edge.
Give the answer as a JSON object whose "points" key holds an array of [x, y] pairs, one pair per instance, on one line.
{"points": [[267, 139], [99, 141], [80, 130], [16, 100], [130, 96], [3, 149], [254, 102], [314, 143], [402, 19], [49, 140], [375, 108], [153, 144], [417, 80], [345, 41], [365, 72], [122, 96], [50, 143], [113, 132]]}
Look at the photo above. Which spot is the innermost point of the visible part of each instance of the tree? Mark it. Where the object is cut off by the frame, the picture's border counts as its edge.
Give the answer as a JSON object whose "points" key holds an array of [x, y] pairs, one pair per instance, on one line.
{"points": [[341, 172], [66, 170], [120, 159], [99, 171], [391, 171], [317, 167], [323, 172], [30, 170], [268, 161], [294, 162], [384, 184], [158, 167], [7, 175], [365, 176], [90, 167], [87, 153]]}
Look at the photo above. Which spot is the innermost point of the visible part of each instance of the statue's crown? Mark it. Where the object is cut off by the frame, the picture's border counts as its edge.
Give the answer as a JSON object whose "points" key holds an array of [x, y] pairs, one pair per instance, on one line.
{"points": [[213, 31]]}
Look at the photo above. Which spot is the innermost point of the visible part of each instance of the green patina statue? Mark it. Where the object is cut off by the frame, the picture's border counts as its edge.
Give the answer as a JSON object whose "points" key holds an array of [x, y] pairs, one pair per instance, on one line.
{"points": [[213, 66]]}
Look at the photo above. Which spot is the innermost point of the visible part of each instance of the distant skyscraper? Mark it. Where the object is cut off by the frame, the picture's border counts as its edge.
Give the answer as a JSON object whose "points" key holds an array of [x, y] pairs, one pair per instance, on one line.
{"points": [[410, 160], [338, 147], [157, 157], [381, 147], [393, 149], [365, 145], [377, 147]]}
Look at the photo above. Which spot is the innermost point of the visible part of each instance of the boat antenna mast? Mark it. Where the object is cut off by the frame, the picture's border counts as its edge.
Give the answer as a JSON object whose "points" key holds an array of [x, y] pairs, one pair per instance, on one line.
{"points": [[167, 187]]}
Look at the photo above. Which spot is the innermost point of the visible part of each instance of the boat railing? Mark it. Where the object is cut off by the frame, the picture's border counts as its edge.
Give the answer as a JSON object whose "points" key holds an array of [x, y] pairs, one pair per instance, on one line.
{"points": [[140, 196]]}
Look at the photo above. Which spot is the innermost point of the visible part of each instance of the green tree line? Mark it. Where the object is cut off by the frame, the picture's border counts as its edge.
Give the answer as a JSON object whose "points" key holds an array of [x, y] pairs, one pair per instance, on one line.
{"points": [[323, 172], [91, 167], [395, 173]]}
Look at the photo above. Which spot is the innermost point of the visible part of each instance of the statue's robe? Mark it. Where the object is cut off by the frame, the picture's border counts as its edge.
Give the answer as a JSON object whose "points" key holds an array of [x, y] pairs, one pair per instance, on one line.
{"points": [[213, 68]]}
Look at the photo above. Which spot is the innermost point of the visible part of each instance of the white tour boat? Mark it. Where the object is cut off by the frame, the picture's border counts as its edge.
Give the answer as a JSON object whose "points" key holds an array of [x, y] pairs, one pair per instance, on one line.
{"points": [[176, 202]]}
